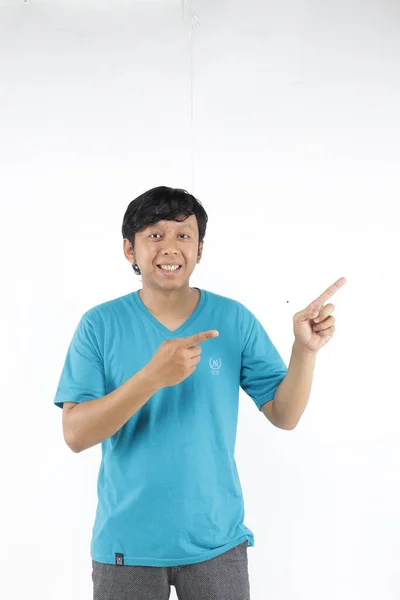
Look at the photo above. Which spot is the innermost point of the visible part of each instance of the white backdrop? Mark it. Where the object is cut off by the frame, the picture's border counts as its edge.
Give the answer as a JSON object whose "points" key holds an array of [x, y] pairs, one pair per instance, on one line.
{"points": [[283, 119]]}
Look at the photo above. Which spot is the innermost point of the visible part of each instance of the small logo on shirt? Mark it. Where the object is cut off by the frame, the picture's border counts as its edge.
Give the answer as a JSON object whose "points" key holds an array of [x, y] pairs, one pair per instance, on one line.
{"points": [[119, 558], [215, 365]]}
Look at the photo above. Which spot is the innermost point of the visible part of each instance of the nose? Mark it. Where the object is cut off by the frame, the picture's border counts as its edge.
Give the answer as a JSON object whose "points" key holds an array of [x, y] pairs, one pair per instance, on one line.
{"points": [[170, 255], [169, 247]]}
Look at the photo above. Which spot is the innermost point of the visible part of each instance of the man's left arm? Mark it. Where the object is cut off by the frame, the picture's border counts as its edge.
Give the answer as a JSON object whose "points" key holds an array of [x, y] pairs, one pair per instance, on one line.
{"points": [[292, 394], [313, 328]]}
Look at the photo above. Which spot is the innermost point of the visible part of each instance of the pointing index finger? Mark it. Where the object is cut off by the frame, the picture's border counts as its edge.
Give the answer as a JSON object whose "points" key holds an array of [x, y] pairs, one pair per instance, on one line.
{"points": [[197, 338], [332, 289]]}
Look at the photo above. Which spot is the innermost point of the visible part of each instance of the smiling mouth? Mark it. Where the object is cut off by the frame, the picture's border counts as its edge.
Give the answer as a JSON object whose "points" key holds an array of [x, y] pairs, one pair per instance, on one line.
{"points": [[169, 270]]}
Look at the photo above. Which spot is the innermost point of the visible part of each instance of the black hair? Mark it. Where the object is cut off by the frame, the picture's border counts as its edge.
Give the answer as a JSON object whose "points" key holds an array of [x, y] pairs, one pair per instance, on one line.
{"points": [[161, 204]]}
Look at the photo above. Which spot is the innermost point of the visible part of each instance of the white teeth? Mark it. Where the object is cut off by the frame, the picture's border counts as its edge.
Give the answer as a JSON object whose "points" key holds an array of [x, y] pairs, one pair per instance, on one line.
{"points": [[170, 267]]}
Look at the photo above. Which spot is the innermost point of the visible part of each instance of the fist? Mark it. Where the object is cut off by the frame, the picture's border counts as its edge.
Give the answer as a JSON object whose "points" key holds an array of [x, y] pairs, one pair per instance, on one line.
{"points": [[175, 360]]}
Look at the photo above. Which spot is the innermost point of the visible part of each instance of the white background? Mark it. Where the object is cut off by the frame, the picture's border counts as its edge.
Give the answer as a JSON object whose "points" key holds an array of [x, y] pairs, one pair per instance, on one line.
{"points": [[282, 117]]}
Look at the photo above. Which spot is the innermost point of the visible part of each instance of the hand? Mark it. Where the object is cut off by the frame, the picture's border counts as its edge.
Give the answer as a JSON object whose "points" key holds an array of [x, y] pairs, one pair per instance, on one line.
{"points": [[175, 360], [314, 326]]}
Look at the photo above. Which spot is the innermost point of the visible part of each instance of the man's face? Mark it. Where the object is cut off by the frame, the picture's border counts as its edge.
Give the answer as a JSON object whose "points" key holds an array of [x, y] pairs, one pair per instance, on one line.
{"points": [[167, 243]]}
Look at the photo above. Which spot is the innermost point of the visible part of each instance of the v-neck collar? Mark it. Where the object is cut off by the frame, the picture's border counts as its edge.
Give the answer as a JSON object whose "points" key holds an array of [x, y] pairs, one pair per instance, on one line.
{"points": [[165, 332]]}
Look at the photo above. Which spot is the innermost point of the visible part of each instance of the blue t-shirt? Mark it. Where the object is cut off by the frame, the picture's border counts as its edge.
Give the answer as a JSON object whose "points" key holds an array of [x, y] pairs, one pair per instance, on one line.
{"points": [[168, 487]]}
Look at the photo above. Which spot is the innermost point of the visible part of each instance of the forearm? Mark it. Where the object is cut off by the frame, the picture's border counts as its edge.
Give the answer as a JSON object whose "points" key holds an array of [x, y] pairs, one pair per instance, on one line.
{"points": [[94, 421], [292, 395]]}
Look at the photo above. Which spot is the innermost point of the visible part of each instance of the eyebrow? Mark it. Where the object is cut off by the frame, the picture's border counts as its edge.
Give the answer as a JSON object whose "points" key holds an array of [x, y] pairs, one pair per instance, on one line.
{"points": [[183, 223]]}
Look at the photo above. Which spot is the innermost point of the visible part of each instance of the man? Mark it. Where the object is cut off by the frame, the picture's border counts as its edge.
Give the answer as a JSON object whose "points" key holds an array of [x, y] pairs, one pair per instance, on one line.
{"points": [[154, 376]]}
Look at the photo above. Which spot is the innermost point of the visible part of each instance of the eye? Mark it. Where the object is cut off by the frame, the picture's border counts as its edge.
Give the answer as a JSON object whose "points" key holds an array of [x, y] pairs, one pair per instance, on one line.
{"points": [[160, 234]]}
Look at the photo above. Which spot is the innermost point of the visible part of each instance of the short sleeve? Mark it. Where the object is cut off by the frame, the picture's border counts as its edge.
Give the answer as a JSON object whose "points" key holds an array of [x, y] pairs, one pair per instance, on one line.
{"points": [[82, 377], [262, 367]]}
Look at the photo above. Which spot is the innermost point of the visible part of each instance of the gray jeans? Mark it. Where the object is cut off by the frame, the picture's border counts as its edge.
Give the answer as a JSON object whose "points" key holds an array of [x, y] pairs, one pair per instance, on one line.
{"points": [[224, 577]]}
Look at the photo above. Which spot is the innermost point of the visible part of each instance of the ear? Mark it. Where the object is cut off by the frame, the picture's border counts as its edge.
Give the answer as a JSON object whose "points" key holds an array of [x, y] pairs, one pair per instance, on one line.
{"points": [[129, 251], [200, 252], [133, 253]]}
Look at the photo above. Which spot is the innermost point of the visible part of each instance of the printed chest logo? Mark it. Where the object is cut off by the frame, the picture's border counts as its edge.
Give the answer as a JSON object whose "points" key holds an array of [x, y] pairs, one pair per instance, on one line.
{"points": [[215, 364]]}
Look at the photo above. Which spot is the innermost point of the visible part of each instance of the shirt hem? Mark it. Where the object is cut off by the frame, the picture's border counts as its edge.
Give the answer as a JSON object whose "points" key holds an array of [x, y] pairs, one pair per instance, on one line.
{"points": [[165, 562]]}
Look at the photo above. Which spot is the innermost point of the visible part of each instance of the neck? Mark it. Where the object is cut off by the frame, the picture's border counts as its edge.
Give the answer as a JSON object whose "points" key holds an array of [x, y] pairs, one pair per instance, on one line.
{"points": [[167, 302]]}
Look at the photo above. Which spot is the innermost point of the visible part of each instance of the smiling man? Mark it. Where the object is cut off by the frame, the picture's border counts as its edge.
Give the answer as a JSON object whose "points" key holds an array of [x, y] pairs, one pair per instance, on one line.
{"points": [[166, 270], [154, 377]]}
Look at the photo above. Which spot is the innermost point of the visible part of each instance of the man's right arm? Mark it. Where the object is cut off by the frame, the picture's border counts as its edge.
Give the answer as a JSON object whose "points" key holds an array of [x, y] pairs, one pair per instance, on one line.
{"points": [[88, 423]]}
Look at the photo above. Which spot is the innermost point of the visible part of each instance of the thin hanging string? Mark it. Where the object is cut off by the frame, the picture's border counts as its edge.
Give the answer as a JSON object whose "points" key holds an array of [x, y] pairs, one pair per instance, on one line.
{"points": [[194, 22]]}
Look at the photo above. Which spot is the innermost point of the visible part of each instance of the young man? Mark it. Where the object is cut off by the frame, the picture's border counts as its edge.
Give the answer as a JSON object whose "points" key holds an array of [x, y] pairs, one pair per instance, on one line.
{"points": [[154, 376]]}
